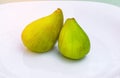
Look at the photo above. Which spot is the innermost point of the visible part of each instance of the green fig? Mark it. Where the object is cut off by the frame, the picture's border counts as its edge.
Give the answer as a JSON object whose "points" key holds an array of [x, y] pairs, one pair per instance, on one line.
{"points": [[42, 34], [73, 42]]}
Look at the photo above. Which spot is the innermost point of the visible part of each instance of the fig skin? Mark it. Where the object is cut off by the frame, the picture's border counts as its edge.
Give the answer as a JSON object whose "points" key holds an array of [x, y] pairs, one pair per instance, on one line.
{"points": [[73, 42], [42, 34]]}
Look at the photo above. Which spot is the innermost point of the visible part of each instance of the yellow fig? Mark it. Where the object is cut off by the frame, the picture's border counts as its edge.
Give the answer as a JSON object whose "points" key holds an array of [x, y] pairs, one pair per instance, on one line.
{"points": [[73, 42], [42, 34]]}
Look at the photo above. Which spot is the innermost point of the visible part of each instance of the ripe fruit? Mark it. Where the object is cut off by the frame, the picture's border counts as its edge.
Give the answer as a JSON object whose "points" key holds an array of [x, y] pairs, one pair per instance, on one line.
{"points": [[42, 34], [73, 42]]}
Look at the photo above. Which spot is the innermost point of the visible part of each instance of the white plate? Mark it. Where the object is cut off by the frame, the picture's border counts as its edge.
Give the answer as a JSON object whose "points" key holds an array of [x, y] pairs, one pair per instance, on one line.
{"points": [[100, 21]]}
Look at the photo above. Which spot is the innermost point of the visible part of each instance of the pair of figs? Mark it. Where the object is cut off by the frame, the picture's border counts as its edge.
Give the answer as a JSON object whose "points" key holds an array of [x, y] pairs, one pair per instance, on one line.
{"points": [[42, 34]]}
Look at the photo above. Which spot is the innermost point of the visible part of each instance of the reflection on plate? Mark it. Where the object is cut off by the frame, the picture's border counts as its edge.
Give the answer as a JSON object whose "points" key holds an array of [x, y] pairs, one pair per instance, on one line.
{"points": [[100, 21]]}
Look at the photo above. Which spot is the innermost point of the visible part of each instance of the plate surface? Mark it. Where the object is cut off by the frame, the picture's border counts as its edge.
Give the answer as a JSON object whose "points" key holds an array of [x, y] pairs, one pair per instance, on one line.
{"points": [[100, 21]]}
